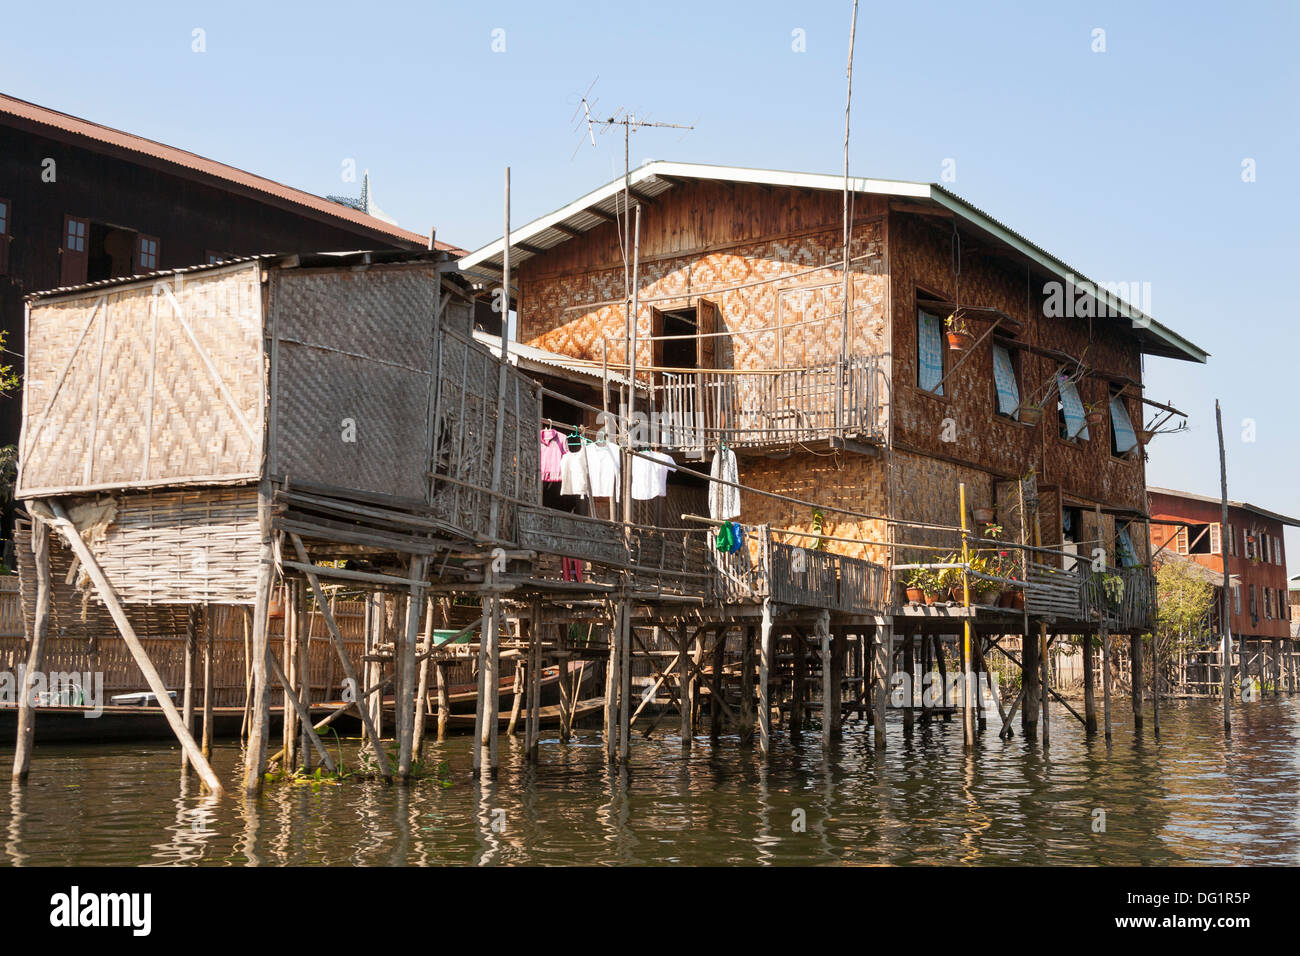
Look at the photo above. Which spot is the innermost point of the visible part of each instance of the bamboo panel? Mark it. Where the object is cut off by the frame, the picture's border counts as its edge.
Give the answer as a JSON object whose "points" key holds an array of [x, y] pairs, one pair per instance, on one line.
{"points": [[11, 607], [1054, 592], [864, 586], [354, 353], [145, 384]]}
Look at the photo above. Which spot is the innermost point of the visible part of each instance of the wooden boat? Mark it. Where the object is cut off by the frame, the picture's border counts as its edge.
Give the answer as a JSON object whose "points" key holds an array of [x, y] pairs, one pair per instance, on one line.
{"points": [[116, 723]]}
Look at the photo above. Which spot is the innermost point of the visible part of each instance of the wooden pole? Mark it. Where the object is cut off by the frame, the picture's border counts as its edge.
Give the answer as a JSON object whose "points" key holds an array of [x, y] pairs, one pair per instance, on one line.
{"points": [[909, 669], [35, 653], [1225, 615], [534, 725], [444, 701], [422, 692], [488, 623], [1044, 665], [683, 685], [191, 646], [883, 641], [109, 596], [967, 711], [302, 643], [612, 684], [208, 679], [715, 697], [830, 689], [625, 685], [491, 700], [404, 704], [1135, 679], [765, 648], [1089, 687], [293, 699], [259, 724], [747, 687], [516, 699]]}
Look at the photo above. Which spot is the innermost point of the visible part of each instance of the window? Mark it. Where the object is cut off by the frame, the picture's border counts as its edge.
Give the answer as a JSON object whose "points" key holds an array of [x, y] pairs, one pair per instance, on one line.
{"points": [[74, 253], [4, 236], [1122, 437], [214, 257], [929, 352], [1277, 550], [1199, 539], [1004, 381], [146, 253], [1254, 607], [1236, 599], [1268, 604], [1232, 541], [1070, 409]]}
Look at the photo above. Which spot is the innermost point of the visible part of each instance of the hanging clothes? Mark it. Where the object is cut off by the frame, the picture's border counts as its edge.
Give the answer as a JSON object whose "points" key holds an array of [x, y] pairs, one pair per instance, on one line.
{"points": [[571, 569], [574, 478], [650, 478], [724, 500], [553, 452], [603, 471]]}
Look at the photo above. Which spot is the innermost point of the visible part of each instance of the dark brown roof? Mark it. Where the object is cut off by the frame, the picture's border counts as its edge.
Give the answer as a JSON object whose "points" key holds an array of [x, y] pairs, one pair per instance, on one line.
{"points": [[77, 127]]}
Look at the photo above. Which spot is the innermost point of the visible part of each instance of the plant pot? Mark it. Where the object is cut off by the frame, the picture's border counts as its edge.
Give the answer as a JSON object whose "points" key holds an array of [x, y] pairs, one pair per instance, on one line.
{"points": [[983, 515], [1031, 414], [915, 595], [275, 610], [1018, 599], [1093, 418], [955, 593], [960, 341], [1007, 598], [1144, 436], [931, 598]]}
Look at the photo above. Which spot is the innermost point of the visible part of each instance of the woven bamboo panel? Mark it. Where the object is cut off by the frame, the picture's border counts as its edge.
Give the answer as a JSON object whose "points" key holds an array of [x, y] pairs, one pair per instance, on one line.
{"points": [[145, 384], [354, 353]]}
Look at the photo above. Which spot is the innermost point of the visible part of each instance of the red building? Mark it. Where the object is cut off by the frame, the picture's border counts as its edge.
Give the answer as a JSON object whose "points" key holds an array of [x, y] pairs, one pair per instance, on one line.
{"points": [[1253, 546]]}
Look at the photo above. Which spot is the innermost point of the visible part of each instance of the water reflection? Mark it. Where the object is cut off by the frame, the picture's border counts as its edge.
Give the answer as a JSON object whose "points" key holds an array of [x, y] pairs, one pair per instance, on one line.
{"points": [[1185, 797]]}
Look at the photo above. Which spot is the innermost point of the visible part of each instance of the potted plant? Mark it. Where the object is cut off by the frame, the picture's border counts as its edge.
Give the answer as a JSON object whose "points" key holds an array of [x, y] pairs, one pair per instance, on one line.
{"points": [[1030, 412], [914, 584], [958, 332], [984, 516], [1144, 435], [1093, 413]]}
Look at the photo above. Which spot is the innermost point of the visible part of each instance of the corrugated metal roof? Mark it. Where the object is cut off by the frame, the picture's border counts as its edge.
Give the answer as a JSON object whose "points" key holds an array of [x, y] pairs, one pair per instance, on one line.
{"points": [[657, 177], [303, 259], [192, 161], [524, 355], [1244, 505]]}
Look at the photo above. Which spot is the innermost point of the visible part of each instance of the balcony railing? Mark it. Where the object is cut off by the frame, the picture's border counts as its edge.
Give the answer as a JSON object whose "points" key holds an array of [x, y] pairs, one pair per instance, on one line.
{"points": [[1124, 597], [762, 409]]}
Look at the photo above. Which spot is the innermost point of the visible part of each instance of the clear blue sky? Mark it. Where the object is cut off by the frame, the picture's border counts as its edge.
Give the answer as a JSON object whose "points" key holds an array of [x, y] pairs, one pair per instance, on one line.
{"points": [[1127, 164]]}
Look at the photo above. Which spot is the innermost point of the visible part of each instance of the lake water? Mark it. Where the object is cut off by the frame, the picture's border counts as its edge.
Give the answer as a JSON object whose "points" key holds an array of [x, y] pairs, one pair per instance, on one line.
{"points": [[1188, 797]]}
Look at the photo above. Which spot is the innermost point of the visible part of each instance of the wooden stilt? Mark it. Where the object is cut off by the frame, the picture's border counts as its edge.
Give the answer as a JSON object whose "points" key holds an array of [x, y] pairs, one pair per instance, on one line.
{"points": [[534, 725], [1105, 674], [259, 723], [747, 687], [625, 685], [187, 705], [1044, 680], [302, 683], [109, 597], [35, 652], [612, 684], [422, 690], [208, 679], [883, 643], [293, 700], [800, 676], [487, 625], [925, 674], [909, 669], [444, 700], [289, 648], [766, 640], [404, 704], [493, 682], [1135, 679], [1031, 674], [1089, 686], [516, 699], [941, 664], [830, 690], [684, 680], [719, 668]]}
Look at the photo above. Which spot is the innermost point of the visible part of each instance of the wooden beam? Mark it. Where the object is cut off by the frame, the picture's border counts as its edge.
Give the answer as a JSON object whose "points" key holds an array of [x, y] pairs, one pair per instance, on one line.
{"points": [[36, 653], [109, 596], [292, 700]]}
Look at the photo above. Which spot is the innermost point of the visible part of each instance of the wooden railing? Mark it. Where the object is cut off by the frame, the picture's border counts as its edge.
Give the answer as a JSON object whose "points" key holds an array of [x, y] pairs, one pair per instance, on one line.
{"points": [[11, 608], [686, 562], [1125, 597], [759, 409], [1053, 592]]}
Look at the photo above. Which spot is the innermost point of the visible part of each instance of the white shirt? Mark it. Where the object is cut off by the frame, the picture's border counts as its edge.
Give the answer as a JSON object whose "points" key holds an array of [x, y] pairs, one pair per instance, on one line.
{"points": [[603, 470], [573, 474], [724, 500], [650, 478]]}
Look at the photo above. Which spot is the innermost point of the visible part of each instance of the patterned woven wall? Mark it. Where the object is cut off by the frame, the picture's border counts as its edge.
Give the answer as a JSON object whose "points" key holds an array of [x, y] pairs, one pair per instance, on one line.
{"points": [[354, 347], [145, 384]]}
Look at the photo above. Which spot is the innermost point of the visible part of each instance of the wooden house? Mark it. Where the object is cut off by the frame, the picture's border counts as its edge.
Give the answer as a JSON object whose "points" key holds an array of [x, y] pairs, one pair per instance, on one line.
{"points": [[857, 427]]}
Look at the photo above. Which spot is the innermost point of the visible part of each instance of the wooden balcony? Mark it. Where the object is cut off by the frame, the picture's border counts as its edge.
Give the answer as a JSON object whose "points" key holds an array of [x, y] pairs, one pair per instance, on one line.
{"points": [[773, 409], [1127, 604]]}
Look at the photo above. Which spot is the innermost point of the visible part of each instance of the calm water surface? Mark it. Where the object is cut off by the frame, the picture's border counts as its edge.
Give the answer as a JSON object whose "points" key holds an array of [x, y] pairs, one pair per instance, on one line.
{"points": [[1188, 797]]}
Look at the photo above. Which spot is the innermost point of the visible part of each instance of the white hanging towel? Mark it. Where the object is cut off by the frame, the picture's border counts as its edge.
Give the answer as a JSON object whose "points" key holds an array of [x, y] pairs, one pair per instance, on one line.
{"points": [[603, 470], [724, 500]]}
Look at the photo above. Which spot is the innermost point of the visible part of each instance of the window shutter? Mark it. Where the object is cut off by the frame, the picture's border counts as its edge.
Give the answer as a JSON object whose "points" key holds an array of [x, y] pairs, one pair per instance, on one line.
{"points": [[1004, 379], [929, 353], [5, 210], [1125, 437], [1075, 424], [1180, 541], [76, 253], [1216, 540]]}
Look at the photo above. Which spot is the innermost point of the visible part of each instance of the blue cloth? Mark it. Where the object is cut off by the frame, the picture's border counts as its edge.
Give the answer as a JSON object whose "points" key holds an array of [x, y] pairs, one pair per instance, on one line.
{"points": [[929, 352]]}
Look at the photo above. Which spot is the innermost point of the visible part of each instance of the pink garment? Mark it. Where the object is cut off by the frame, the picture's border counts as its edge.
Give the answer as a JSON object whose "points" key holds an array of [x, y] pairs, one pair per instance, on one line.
{"points": [[571, 569], [553, 450]]}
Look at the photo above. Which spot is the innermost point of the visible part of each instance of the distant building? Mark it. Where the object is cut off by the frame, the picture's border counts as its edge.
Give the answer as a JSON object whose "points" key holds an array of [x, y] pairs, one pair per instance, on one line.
{"points": [[1253, 546], [81, 202]]}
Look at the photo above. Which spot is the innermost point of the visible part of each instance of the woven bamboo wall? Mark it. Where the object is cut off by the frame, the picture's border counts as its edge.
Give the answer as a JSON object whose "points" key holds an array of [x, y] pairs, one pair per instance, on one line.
{"points": [[353, 347], [144, 384]]}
